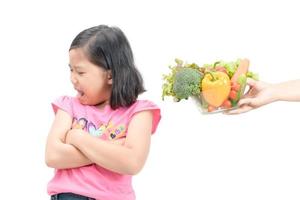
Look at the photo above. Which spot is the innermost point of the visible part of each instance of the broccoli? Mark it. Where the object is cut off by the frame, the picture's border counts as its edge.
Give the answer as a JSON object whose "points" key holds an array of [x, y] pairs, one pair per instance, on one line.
{"points": [[187, 83]]}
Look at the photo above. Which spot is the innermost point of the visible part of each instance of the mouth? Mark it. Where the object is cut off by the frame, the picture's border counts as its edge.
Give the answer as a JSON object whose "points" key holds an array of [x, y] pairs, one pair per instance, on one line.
{"points": [[79, 92]]}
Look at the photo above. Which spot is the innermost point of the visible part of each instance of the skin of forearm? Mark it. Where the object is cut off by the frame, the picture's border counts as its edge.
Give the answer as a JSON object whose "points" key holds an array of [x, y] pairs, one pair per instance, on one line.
{"points": [[66, 156], [117, 158], [287, 91]]}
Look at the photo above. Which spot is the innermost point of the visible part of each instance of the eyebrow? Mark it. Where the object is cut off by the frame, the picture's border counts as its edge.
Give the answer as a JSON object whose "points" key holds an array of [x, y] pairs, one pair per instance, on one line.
{"points": [[77, 67]]}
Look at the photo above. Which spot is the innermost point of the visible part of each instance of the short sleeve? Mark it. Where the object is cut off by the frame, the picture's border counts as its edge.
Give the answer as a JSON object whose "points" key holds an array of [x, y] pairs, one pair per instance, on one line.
{"points": [[64, 103], [145, 105]]}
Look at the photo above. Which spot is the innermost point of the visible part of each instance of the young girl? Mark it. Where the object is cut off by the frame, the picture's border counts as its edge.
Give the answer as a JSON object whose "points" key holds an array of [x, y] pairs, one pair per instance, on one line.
{"points": [[101, 137]]}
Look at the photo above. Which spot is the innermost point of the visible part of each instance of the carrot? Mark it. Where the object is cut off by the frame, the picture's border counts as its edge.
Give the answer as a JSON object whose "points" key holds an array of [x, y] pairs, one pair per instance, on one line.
{"points": [[242, 69], [211, 108]]}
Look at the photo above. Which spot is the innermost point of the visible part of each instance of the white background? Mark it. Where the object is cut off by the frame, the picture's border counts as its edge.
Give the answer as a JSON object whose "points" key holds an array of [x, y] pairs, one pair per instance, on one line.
{"points": [[193, 156]]}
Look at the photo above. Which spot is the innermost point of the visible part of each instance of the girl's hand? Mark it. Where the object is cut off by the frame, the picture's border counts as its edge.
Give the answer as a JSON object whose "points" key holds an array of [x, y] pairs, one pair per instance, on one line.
{"points": [[77, 133], [259, 94], [120, 141], [74, 134]]}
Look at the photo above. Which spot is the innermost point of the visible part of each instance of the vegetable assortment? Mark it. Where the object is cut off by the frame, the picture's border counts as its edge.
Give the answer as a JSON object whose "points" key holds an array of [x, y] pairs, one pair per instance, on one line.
{"points": [[219, 85]]}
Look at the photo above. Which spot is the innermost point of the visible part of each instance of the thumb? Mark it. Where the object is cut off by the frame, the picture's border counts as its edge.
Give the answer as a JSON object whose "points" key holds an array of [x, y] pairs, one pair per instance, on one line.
{"points": [[251, 82]]}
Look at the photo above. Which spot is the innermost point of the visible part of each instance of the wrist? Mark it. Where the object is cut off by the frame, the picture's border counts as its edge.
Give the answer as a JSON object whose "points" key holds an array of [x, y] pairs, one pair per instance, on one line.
{"points": [[275, 92], [76, 137]]}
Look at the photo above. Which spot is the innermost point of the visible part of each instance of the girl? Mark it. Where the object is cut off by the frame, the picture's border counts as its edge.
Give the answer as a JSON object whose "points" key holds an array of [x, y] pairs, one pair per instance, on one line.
{"points": [[101, 137]]}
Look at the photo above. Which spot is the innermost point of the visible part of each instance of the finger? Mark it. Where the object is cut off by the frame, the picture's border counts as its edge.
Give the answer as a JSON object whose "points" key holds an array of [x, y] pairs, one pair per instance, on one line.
{"points": [[248, 93], [251, 82], [244, 101], [120, 141], [252, 87], [240, 110]]}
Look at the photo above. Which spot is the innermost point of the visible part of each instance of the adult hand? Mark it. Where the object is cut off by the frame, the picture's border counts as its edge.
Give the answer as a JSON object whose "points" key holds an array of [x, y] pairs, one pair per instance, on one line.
{"points": [[259, 94]]}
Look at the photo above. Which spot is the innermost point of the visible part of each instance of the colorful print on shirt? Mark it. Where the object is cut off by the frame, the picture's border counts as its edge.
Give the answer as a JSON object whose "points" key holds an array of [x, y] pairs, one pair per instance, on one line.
{"points": [[110, 131]]}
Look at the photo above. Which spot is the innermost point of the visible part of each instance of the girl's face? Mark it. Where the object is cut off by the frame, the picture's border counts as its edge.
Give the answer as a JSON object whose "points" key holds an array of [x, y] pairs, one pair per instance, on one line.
{"points": [[92, 82]]}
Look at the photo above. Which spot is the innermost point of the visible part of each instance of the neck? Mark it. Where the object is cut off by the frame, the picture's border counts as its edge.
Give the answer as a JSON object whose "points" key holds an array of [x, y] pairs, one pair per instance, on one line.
{"points": [[102, 104]]}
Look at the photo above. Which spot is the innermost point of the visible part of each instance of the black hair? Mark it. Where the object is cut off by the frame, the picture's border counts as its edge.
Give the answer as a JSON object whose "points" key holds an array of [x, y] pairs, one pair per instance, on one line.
{"points": [[108, 47]]}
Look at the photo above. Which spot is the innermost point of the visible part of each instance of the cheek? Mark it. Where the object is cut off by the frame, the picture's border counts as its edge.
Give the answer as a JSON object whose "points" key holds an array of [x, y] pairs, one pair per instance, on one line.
{"points": [[94, 87], [93, 84]]}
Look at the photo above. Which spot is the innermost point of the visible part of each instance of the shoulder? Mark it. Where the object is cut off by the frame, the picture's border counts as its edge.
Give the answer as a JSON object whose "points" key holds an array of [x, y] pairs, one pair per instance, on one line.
{"points": [[65, 99], [146, 105], [65, 103]]}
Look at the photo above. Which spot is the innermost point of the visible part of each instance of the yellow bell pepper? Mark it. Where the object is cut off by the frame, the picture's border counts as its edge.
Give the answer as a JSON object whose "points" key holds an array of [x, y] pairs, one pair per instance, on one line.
{"points": [[215, 88]]}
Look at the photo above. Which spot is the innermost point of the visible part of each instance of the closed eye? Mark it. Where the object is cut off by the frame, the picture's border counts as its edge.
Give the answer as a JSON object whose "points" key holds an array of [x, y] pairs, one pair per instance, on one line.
{"points": [[70, 68], [77, 70]]}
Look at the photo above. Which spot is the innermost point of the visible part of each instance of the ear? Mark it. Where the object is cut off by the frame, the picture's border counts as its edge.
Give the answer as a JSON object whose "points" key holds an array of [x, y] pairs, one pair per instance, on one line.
{"points": [[109, 77]]}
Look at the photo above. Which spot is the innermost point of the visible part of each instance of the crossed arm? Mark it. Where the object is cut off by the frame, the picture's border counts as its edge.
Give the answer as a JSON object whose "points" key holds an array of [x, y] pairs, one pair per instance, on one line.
{"points": [[71, 148]]}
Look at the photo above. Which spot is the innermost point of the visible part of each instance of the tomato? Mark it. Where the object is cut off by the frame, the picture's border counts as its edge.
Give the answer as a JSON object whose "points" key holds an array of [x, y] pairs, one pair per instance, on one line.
{"points": [[226, 104], [232, 95], [235, 86], [211, 108]]}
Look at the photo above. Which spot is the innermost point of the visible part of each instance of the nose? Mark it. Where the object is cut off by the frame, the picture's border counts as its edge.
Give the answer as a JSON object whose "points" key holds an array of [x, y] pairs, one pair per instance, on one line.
{"points": [[73, 78]]}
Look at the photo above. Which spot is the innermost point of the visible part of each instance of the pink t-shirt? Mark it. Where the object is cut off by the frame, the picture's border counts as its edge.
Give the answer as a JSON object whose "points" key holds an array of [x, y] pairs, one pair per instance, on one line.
{"points": [[93, 180]]}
